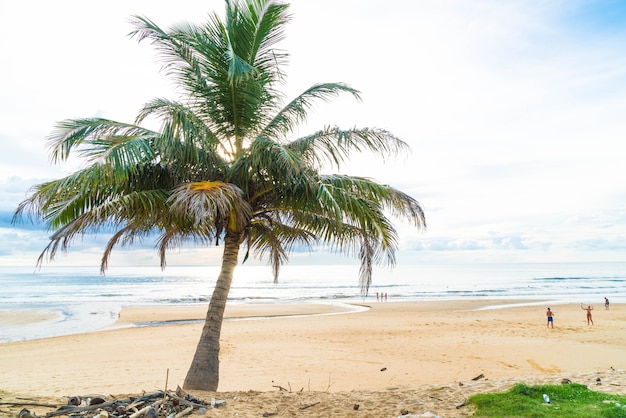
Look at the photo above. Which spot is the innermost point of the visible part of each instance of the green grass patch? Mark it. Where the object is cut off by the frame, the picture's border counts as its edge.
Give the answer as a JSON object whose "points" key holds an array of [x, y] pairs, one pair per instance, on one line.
{"points": [[572, 400]]}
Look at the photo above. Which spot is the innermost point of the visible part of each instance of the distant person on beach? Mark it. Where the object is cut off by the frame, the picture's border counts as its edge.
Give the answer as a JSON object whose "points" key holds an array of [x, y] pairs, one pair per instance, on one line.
{"points": [[549, 314], [589, 308], [606, 303]]}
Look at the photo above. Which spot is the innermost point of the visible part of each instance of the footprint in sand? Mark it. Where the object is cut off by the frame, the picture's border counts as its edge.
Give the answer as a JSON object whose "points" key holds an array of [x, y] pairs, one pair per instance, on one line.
{"points": [[551, 369], [511, 366]]}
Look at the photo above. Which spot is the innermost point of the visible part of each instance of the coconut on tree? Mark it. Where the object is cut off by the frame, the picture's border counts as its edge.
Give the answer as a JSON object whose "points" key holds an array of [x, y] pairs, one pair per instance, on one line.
{"points": [[225, 166]]}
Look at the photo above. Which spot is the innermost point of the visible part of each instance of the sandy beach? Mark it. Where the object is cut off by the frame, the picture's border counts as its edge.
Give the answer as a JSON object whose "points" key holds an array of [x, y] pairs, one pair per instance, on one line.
{"points": [[387, 357]]}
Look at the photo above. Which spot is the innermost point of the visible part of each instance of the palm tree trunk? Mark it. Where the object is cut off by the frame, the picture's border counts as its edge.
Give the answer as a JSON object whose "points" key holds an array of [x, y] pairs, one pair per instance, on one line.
{"points": [[204, 371]]}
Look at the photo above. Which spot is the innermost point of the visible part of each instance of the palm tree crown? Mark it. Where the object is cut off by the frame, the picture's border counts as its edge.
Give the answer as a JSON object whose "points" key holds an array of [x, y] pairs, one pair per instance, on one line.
{"points": [[225, 163]]}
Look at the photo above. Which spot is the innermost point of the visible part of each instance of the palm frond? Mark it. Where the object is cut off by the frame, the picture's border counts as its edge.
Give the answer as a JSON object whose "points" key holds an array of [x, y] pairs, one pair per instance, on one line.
{"points": [[97, 189], [227, 69], [333, 145], [125, 235], [271, 237], [172, 48], [259, 27], [101, 140], [184, 135], [175, 236], [296, 111], [397, 202], [265, 161], [350, 214], [353, 239]]}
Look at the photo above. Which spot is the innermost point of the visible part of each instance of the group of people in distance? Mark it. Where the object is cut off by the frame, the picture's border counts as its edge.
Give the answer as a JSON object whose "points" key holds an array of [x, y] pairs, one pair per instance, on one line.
{"points": [[589, 308]]}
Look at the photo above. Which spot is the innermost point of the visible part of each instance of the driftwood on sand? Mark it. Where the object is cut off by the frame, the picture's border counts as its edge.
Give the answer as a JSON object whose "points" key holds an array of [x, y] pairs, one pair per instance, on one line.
{"points": [[174, 404]]}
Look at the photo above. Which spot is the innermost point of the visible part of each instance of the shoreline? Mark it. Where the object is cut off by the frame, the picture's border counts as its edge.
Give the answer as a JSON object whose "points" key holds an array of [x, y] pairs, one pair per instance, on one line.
{"points": [[18, 321], [390, 349], [160, 313]]}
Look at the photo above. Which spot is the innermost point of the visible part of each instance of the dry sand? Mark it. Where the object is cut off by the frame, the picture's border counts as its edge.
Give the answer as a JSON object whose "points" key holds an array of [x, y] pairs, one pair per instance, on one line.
{"points": [[390, 358]]}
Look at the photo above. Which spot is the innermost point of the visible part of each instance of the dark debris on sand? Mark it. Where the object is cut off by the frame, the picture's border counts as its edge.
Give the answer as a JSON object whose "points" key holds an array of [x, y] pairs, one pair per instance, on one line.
{"points": [[153, 405]]}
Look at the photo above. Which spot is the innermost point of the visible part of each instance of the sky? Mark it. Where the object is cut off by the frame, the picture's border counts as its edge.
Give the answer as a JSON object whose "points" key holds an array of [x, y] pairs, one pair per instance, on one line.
{"points": [[514, 112]]}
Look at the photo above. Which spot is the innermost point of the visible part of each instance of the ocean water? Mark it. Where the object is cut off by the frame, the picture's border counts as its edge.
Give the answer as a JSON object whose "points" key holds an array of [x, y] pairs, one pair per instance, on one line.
{"points": [[80, 299]]}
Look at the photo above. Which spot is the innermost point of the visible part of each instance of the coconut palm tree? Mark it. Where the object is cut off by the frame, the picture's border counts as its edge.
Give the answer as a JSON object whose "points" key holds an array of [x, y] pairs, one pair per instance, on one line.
{"points": [[225, 166]]}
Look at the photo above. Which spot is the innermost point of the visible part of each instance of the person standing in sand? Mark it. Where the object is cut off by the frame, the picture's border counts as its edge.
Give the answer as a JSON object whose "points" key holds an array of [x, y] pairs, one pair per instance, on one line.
{"points": [[589, 308], [549, 314], [606, 303]]}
